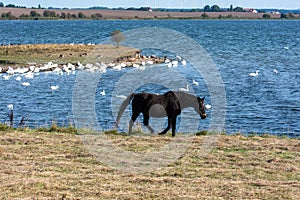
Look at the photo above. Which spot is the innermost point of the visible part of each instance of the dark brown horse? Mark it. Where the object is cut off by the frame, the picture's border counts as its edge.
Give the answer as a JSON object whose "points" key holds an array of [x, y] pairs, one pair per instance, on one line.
{"points": [[168, 105]]}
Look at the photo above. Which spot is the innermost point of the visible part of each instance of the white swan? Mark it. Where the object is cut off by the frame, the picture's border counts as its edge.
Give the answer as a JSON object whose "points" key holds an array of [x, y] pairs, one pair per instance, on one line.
{"points": [[150, 62], [6, 77], [184, 89], [10, 107], [195, 82], [117, 68], [207, 106], [254, 74], [18, 78], [54, 87], [136, 65], [36, 70], [10, 71], [178, 58], [26, 84], [29, 75], [123, 65], [32, 68], [121, 96], [103, 93], [169, 65], [102, 69], [175, 63]]}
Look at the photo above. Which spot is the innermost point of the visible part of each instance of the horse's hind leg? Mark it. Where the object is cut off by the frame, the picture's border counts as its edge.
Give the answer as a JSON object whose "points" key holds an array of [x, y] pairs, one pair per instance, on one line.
{"points": [[131, 122], [173, 125], [146, 123], [150, 129]]}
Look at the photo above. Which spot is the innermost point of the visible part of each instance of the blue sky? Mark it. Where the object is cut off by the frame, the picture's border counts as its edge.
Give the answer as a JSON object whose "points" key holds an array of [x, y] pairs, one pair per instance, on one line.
{"points": [[288, 4]]}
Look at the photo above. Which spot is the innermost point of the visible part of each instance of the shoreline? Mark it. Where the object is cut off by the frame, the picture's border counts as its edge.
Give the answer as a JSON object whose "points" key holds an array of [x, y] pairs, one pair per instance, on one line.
{"points": [[72, 14]]}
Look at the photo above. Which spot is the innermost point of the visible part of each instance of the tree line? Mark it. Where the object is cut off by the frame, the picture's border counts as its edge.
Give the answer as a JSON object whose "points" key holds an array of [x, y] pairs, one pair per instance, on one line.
{"points": [[51, 14]]}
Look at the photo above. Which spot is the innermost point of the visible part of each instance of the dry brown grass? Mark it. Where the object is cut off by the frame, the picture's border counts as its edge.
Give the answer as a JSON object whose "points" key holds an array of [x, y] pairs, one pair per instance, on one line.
{"points": [[38, 165], [61, 53]]}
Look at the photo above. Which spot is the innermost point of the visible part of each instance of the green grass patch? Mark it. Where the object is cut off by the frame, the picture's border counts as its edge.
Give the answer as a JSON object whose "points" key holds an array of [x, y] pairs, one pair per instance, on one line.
{"points": [[4, 127]]}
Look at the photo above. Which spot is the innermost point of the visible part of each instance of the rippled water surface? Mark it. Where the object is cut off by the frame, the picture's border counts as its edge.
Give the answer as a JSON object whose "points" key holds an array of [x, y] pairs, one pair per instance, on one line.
{"points": [[266, 103]]}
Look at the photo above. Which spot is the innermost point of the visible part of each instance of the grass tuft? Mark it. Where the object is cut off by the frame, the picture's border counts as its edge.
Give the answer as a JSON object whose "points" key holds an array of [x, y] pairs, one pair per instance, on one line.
{"points": [[4, 127], [201, 133], [54, 128]]}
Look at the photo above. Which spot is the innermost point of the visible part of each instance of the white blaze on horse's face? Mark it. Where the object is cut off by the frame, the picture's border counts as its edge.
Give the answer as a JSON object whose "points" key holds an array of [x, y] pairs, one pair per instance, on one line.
{"points": [[201, 107]]}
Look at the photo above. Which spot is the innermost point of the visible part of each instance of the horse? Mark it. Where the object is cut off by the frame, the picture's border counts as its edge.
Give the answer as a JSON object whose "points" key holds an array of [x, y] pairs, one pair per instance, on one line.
{"points": [[168, 105]]}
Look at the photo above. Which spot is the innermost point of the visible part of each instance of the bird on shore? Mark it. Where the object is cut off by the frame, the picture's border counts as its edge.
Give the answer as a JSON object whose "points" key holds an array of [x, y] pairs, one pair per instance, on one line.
{"points": [[103, 93], [175, 63], [150, 62], [29, 75], [195, 82], [10, 71], [254, 74], [178, 58], [184, 89], [169, 64]]}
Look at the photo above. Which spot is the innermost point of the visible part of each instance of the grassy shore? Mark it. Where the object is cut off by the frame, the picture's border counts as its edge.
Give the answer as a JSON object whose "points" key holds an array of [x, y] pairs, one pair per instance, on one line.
{"points": [[23, 55], [36, 164]]}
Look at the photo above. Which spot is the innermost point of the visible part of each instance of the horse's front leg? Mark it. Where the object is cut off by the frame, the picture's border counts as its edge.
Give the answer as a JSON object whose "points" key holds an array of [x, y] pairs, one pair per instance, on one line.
{"points": [[168, 127]]}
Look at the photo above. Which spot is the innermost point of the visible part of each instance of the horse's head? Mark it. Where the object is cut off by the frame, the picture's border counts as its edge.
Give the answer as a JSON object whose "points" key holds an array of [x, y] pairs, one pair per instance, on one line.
{"points": [[201, 108]]}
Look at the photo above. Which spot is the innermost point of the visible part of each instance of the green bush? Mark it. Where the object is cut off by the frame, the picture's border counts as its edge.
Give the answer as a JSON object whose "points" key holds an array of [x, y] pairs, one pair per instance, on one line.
{"points": [[266, 16]]}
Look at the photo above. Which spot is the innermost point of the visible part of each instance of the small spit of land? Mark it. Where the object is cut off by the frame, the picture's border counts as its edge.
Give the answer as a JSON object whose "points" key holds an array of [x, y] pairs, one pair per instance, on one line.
{"points": [[36, 164], [62, 54]]}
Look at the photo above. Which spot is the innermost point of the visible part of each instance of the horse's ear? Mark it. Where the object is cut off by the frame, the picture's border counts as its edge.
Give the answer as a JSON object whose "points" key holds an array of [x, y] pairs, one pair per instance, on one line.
{"points": [[200, 99]]}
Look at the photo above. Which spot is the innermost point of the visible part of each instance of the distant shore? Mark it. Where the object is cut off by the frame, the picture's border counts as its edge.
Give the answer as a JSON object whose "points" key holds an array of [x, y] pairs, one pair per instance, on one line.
{"points": [[37, 14]]}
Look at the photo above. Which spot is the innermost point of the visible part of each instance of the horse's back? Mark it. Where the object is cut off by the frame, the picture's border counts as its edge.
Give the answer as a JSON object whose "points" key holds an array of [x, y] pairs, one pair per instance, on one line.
{"points": [[156, 105]]}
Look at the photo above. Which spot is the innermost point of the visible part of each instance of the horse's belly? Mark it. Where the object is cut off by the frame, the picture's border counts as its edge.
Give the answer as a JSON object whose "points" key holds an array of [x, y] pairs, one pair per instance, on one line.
{"points": [[157, 111]]}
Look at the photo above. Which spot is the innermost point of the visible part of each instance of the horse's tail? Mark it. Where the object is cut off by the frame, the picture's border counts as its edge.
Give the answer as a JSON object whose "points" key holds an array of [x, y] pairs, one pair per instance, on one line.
{"points": [[123, 107]]}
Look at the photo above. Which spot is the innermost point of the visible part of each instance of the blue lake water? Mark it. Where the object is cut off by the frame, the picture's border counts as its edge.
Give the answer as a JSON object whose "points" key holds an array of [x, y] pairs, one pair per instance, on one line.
{"points": [[268, 103]]}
